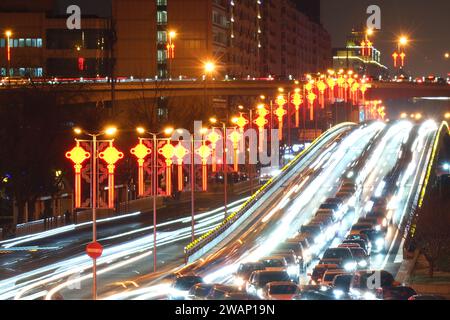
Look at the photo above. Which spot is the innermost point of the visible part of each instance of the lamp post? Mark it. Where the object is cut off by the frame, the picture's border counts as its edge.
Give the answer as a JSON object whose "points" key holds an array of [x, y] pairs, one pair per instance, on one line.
{"points": [[225, 165], [154, 140], [209, 67], [8, 34], [109, 132], [250, 122]]}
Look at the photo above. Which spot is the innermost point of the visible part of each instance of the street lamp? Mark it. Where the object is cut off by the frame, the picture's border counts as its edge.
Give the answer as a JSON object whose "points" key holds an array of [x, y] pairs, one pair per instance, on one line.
{"points": [[110, 131], [209, 67], [447, 116], [8, 34], [142, 131], [214, 121], [447, 55]]}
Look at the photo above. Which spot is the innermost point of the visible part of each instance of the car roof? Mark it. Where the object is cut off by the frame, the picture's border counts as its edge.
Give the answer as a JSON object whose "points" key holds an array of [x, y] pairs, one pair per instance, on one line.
{"points": [[281, 283]]}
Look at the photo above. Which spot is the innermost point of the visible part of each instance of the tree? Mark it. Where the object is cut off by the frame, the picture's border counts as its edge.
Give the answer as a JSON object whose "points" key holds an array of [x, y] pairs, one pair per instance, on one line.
{"points": [[36, 132], [432, 236]]}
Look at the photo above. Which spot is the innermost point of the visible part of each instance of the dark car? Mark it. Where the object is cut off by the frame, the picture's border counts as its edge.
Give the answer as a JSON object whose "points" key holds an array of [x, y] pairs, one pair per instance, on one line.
{"points": [[366, 283], [259, 279], [219, 292], [362, 243], [377, 239], [342, 282], [182, 285], [239, 296], [312, 229], [395, 293], [319, 270], [199, 291], [343, 255], [315, 295], [426, 297], [244, 272]]}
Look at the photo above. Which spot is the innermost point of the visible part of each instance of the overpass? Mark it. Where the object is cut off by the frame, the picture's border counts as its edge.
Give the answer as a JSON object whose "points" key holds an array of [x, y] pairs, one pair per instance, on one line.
{"points": [[82, 92]]}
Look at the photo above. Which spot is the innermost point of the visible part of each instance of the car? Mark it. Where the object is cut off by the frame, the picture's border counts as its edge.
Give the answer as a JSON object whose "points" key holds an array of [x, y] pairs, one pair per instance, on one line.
{"points": [[199, 291], [293, 267], [259, 279], [244, 272], [395, 293], [182, 285], [379, 204], [275, 263], [219, 291], [319, 270], [358, 237], [239, 296], [329, 275], [362, 243], [361, 257], [427, 297], [313, 230], [280, 291], [300, 248], [380, 218], [315, 295], [357, 228], [377, 239], [365, 283], [341, 285], [343, 256]]}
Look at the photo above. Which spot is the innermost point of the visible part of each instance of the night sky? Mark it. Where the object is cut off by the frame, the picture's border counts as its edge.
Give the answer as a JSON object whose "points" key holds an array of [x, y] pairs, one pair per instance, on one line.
{"points": [[426, 22]]}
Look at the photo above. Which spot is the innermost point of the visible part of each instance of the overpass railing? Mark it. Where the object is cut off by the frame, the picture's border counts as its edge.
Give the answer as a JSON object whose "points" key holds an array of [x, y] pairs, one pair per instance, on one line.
{"points": [[230, 221]]}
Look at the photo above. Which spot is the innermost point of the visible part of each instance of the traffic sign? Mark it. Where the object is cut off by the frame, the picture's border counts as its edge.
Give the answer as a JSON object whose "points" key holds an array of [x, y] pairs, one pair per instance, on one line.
{"points": [[94, 250]]}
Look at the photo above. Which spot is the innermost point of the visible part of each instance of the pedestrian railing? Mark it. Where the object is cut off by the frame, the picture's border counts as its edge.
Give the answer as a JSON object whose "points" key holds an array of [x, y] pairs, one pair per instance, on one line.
{"points": [[208, 237]]}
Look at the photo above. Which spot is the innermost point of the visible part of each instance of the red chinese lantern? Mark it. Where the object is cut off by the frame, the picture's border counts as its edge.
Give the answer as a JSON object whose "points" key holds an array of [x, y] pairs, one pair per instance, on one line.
{"points": [[204, 152], [311, 98], [168, 152], [235, 137], [111, 156], [331, 82], [214, 138], [180, 152], [280, 112], [321, 86], [141, 151], [297, 101], [78, 156]]}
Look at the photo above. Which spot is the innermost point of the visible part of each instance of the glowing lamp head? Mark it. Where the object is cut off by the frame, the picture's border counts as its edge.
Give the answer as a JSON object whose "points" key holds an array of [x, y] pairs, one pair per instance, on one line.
{"points": [[77, 131], [8, 33], [111, 131], [169, 131], [140, 130], [370, 32], [209, 67], [172, 34], [447, 116], [403, 40], [213, 120]]}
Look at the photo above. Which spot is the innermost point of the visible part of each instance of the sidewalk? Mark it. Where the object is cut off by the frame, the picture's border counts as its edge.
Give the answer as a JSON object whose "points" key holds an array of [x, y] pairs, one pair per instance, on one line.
{"points": [[423, 284]]}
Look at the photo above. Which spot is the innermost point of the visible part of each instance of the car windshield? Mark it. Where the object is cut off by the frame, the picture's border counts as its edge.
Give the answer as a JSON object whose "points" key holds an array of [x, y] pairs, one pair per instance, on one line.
{"points": [[249, 268], [187, 282], [362, 226], [273, 263], [337, 253], [358, 252], [267, 277], [283, 289], [329, 277], [310, 229]]}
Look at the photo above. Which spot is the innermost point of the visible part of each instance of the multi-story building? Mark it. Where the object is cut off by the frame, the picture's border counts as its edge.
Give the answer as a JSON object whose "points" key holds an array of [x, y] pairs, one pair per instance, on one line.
{"points": [[362, 59], [42, 45], [243, 38]]}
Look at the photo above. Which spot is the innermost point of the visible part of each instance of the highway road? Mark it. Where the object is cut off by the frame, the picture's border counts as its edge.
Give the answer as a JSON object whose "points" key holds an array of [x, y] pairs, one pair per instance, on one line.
{"points": [[127, 255]]}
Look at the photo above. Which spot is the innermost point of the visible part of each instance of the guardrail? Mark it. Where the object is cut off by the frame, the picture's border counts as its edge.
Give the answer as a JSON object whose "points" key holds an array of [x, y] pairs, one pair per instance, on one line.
{"points": [[229, 222], [411, 228]]}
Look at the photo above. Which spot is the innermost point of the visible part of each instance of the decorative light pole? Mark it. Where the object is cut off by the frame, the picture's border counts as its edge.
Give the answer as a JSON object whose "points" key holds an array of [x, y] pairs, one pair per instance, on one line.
{"points": [[109, 132], [154, 140], [8, 34]]}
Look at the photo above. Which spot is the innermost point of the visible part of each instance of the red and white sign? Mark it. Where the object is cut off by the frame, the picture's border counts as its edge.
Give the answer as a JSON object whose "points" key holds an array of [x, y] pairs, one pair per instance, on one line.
{"points": [[94, 250]]}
